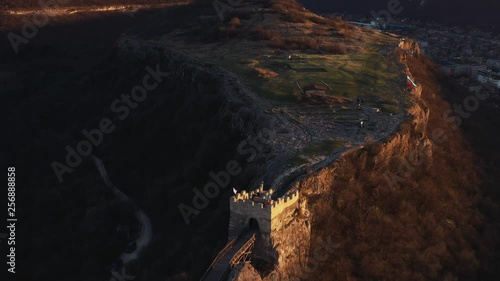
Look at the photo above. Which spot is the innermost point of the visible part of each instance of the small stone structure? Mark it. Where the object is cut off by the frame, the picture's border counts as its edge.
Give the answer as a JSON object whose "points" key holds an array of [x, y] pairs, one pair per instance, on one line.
{"points": [[258, 209], [315, 90]]}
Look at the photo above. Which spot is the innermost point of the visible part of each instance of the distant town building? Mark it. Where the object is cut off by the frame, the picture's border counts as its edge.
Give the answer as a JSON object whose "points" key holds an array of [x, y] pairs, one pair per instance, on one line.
{"points": [[475, 60], [378, 23], [363, 24], [474, 69], [467, 50], [489, 77], [458, 70], [455, 70]]}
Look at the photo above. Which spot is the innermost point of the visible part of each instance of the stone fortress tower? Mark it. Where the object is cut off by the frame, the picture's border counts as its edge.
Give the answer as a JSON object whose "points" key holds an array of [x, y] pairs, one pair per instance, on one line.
{"points": [[257, 210]]}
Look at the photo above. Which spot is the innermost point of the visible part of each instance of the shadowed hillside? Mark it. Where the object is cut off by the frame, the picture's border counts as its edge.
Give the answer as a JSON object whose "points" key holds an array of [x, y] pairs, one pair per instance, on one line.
{"points": [[439, 222], [465, 12]]}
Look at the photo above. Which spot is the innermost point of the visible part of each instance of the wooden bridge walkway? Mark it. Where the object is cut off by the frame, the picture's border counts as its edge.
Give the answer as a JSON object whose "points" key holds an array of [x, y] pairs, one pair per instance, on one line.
{"points": [[235, 251]]}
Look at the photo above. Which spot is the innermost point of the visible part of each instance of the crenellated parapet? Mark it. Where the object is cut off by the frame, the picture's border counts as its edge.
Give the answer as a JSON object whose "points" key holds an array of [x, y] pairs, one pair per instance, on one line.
{"points": [[258, 193], [259, 206], [286, 199]]}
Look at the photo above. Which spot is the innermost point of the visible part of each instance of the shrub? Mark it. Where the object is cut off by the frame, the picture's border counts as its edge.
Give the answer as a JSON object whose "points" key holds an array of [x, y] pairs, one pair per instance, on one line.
{"points": [[283, 5], [336, 48], [277, 42], [265, 34], [235, 22], [295, 16]]}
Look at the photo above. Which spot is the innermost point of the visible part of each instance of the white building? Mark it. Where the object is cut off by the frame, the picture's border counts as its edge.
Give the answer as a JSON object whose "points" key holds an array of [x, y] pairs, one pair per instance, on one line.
{"points": [[468, 70]]}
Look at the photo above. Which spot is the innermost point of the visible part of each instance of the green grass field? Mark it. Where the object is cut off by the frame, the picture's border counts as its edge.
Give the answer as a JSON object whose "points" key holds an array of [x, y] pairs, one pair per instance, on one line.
{"points": [[367, 73]]}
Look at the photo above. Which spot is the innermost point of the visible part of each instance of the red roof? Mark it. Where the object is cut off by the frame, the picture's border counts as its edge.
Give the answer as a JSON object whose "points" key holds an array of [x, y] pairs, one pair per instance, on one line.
{"points": [[315, 88]]}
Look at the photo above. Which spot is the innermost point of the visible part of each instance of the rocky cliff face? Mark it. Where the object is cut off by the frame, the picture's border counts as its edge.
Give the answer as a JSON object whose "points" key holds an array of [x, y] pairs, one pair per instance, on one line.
{"points": [[384, 201], [300, 252], [291, 243], [409, 142], [244, 272]]}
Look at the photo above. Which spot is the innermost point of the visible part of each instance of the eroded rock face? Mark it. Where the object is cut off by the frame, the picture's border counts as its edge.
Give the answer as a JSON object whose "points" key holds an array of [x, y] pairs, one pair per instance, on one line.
{"points": [[244, 272], [291, 242], [411, 46]]}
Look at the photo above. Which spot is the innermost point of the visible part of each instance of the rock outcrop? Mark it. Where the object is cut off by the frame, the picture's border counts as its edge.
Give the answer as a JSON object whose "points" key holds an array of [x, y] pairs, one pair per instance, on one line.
{"points": [[244, 272]]}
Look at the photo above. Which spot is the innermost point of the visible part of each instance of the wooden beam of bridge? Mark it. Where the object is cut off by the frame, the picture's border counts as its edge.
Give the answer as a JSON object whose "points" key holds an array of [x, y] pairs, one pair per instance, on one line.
{"points": [[229, 257]]}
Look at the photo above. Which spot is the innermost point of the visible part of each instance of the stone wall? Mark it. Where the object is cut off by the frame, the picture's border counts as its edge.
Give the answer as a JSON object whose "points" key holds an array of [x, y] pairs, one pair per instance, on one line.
{"points": [[243, 208], [283, 205], [241, 211]]}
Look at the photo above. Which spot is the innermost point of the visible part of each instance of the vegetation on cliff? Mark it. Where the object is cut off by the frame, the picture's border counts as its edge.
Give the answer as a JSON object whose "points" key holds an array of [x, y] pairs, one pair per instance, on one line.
{"points": [[437, 221]]}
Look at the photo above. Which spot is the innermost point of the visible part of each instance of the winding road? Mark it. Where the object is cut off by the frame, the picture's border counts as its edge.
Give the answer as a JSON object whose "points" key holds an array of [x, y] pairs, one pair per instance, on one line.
{"points": [[146, 228]]}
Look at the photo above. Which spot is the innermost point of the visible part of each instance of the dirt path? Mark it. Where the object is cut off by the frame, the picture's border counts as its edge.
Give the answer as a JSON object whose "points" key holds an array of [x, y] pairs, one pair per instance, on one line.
{"points": [[146, 228]]}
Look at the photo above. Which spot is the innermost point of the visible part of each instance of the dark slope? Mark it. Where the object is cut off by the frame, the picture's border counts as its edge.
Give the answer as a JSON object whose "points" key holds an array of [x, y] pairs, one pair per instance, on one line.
{"points": [[445, 11]]}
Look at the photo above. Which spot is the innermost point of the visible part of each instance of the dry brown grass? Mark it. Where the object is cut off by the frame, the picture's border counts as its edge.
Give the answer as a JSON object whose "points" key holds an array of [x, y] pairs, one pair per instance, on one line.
{"points": [[265, 73], [265, 34], [286, 5], [326, 35], [304, 42], [323, 99]]}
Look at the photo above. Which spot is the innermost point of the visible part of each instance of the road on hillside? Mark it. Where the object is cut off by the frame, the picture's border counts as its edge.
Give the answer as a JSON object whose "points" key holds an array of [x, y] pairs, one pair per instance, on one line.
{"points": [[146, 234]]}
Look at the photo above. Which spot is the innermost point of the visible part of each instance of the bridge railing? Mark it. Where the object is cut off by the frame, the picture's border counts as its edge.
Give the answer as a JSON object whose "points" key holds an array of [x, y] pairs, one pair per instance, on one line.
{"points": [[219, 256], [243, 249]]}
